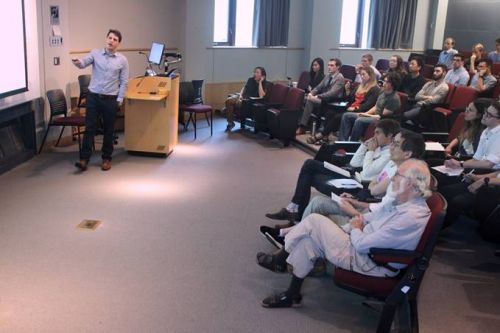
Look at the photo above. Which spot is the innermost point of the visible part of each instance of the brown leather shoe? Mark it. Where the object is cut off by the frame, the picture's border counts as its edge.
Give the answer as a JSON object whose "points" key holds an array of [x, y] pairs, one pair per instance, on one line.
{"points": [[82, 165], [300, 131], [106, 165]]}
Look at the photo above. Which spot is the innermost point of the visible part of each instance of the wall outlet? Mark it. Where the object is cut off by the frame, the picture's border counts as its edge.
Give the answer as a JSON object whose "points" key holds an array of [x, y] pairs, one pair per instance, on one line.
{"points": [[55, 41], [57, 61]]}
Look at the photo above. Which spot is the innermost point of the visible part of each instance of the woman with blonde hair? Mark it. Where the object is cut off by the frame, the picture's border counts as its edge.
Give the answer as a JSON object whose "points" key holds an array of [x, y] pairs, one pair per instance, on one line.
{"points": [[362, 100]]}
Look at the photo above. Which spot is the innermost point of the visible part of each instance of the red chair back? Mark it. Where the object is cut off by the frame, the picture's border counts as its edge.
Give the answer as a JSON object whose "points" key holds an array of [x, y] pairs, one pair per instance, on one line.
{"points": [[294, 99], [277, 94], [427, 71], [462, 97], [382, 65], [451, 91], [457, 126], [370, 131], [437, 204], [303, 82], [496, 92], [348, 71], [495, 69]]}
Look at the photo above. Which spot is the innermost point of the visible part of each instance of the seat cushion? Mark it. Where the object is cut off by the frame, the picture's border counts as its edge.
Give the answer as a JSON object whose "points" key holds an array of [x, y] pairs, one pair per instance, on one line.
{"points": [[69, 121], [197, 108], [366, 285], [444, 111]]}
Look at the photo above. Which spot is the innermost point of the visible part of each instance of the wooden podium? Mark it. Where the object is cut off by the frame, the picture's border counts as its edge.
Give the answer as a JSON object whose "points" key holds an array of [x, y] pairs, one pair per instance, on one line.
{"points": [[151, 116]]}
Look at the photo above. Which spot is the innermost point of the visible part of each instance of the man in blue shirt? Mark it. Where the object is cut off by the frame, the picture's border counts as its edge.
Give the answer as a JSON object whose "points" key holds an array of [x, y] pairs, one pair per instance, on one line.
{"points": [[446, 56], [107, 87], [457, 75]]}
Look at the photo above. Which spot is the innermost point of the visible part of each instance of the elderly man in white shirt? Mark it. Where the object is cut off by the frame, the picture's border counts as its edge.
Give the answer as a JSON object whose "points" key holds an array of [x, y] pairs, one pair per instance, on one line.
{"points": [[399, 224]]}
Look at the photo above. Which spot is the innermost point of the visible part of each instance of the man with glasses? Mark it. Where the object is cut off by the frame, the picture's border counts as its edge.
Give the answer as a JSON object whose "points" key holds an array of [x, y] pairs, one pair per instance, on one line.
{"points": [[405, 145], [354, 124], [398, 224], [483, 81], [457, 75], [433, 92], [487, 156]]}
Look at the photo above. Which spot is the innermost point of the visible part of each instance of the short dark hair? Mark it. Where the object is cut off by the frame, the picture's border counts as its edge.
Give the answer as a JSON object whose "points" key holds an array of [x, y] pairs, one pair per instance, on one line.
{"points": [[443, 67], [496, 105], [419, 60], [389, 126], [413, 142], [116, 33], [488, 62], [262, 71], [459, 55], [368, 56], [497, 40], [338, 62], [394, 79]]}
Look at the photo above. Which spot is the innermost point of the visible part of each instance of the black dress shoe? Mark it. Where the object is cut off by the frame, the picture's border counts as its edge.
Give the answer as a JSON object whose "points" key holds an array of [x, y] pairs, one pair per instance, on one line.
{"points": [[273, 236], [282, 300], [284, 214], [271, 262], [82, 165]]}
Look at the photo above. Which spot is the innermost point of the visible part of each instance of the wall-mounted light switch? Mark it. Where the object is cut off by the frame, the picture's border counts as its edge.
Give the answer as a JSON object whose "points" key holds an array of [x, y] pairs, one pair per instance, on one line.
{"points": [[56, 61]]}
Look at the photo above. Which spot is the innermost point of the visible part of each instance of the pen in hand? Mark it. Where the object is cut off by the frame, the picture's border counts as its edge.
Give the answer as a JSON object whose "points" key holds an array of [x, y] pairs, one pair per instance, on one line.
{"points": [[467, 174]]}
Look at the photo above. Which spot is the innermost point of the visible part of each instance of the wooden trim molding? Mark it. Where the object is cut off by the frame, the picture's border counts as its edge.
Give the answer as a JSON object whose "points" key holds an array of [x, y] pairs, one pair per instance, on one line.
{"points": [[123, 50]]}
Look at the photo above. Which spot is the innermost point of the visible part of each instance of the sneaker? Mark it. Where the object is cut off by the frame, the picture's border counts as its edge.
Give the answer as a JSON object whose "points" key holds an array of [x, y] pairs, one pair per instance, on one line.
{"points": [[284, 214], [273, 236], [282, 300], [82, 165], [229, 127], [270, 262]]}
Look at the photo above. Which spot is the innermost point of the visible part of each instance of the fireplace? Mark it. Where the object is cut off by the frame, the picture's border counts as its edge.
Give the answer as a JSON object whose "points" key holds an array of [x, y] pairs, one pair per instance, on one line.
{"points": [[17, 136]]}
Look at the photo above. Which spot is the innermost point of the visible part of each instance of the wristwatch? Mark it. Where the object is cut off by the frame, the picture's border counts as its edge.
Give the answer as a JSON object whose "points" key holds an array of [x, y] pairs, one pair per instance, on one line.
{"points": [[461, 164]]}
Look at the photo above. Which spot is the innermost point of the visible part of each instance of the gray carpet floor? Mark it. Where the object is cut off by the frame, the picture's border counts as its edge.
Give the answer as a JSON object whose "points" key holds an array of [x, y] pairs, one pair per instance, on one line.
{"points": [[176, 248]]}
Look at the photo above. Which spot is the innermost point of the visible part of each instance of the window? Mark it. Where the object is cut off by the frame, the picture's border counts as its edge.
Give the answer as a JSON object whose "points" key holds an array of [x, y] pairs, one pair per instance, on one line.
{"points": [[233, 22], [354, 28]]}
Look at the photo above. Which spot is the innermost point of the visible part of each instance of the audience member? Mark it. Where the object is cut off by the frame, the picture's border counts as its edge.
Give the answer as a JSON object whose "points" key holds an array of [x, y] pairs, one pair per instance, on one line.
{"points": [[486, 203], [457, 74], [353, 125], [494, 56], [405, 145], [365, 98], [366, 61], [433, 92], [446, 56], [396, 66], [372, 158], [413, 81], [316, 73], [466, 143], [477, 54], [331, 87], [487, 156], [256, 86], [399, 224], [483, 81]]}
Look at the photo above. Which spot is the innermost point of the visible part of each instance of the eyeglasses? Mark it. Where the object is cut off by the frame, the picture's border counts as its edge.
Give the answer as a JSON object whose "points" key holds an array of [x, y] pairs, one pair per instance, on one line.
{"points": [[489, 114], [396, 143], [402, 176]]}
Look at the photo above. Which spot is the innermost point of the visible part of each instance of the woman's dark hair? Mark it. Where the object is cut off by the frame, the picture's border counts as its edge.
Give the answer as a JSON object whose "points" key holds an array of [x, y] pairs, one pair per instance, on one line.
{"points": [[413, 142], [262, 71], [473, 127], [399, 66], [321, 71]]}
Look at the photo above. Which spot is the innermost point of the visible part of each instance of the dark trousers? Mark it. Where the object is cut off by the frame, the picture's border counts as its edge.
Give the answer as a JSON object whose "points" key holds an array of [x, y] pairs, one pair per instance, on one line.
{"points": [[104, 107], [459, 200], [313, 174]]}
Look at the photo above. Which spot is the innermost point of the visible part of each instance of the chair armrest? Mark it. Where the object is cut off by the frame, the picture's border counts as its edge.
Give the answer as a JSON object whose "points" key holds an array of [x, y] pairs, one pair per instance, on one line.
{"points": [[381, 256]]}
